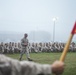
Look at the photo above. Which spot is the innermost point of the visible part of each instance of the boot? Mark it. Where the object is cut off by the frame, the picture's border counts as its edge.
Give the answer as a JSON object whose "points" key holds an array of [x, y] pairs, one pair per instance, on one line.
{"points": [[29, 59]]}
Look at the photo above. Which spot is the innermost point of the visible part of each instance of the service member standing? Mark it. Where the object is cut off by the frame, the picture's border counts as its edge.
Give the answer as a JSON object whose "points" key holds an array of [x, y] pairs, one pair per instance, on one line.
{"points": [[24, 44]]}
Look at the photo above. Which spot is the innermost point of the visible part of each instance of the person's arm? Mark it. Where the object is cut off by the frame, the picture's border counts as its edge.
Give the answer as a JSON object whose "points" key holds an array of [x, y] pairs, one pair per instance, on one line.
{"points": [[10, 66], [39, 69], [27, 42], [32, 68]]}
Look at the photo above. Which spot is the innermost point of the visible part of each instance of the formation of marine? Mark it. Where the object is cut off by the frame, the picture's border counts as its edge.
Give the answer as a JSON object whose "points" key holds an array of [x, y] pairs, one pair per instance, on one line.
{"points": [[13, 47]]}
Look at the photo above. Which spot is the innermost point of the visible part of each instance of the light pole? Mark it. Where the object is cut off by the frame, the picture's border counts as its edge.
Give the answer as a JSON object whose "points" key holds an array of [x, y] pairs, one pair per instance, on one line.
{"points": [[54, 20]]}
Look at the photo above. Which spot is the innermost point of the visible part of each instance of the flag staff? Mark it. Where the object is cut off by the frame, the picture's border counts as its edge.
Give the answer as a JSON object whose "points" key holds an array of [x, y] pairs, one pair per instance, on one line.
{"points": [[66, 48], [62, 58]]}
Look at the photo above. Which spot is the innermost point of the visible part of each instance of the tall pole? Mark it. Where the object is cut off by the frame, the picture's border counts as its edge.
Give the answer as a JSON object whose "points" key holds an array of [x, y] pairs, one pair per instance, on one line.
{"points": [[54, 32], [54, 20]]}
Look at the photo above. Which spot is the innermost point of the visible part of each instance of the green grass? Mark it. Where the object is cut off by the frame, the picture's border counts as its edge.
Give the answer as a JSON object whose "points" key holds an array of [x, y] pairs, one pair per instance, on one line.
{"points": [[49, 58]]}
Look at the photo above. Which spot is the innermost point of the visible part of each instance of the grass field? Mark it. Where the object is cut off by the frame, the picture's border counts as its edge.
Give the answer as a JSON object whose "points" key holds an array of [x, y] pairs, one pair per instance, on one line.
{"points": [[49, 58]]}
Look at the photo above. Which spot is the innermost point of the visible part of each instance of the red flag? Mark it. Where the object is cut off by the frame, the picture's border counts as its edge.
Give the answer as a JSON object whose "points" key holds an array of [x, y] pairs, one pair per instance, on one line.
{"points": [[74, 29]]}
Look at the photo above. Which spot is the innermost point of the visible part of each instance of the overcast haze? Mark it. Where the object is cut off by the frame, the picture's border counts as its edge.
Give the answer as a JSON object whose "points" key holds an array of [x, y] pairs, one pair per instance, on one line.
{"points": [[36, 15]]}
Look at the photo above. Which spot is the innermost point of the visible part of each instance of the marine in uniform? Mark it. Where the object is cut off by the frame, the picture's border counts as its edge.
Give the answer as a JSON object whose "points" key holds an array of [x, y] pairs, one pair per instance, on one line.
{"points": [[24, 44]]}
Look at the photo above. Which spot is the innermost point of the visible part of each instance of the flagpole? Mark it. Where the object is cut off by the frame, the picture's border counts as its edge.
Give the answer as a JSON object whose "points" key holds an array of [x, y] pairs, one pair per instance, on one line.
{"points": [[62, 58], [66, 48]]}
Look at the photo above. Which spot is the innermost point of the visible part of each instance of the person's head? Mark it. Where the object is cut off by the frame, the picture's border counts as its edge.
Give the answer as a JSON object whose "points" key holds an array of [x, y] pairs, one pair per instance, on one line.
{"points": [[25, 35]]}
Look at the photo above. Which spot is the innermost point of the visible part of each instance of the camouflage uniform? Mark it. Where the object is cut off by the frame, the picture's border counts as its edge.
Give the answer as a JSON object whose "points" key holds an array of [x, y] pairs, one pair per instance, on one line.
{"points": [[24, 48], [10, 66]]}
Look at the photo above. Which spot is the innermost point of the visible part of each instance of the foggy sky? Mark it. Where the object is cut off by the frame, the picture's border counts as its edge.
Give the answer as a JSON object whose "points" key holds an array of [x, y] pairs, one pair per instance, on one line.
{"points": [[36, 15]]}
